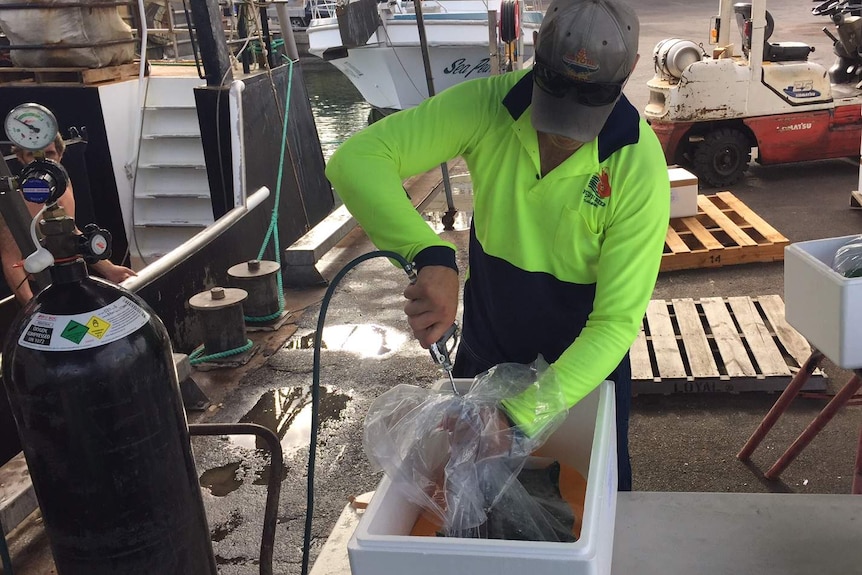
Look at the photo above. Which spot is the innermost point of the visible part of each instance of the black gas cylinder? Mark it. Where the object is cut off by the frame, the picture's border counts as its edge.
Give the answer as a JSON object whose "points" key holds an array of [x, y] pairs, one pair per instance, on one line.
{"points": [[94, 392]]}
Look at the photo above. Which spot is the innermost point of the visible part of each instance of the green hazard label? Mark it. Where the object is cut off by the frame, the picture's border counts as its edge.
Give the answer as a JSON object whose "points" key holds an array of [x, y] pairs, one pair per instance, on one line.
{"points": [[75, 331], [84, 330]]}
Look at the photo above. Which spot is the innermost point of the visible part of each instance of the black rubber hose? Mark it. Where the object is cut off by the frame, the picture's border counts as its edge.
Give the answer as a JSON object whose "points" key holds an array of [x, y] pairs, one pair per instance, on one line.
{"points": [[315, 387], [273, 488]]}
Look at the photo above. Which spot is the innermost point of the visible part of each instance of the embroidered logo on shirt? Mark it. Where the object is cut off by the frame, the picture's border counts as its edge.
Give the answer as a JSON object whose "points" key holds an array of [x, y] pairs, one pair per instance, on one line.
{"points": [[598, 189]]}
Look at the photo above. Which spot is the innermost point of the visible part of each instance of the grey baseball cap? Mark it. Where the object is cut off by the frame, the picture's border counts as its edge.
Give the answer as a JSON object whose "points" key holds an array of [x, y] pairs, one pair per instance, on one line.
{"points": [[593, 41]]}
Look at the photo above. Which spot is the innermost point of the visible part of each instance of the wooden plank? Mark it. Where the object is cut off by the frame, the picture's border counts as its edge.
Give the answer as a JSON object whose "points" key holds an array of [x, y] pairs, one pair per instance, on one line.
{"points": [[767, 355], [741, 238], [766, 230], [726, 224], [69, 75], [694, 339], [796, 345], [97, 75], [639, 356], [674, 242], [664, 341], [731, 350], [703, 235]]}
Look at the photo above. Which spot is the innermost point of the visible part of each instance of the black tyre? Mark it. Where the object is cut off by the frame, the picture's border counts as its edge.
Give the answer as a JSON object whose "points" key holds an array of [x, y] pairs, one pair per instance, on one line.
{"points": [[722, 157]]}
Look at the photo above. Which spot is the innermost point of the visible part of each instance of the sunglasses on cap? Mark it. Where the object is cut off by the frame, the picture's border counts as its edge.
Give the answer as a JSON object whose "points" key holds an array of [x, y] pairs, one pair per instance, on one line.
{"points": [[586, 93]]}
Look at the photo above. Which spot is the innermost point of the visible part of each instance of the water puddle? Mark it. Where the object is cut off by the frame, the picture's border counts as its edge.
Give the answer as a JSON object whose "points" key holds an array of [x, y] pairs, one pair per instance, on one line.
{"points": [[435, 213], [232, 561], [228, 527], [365, 340], [438, 221], [287, 412]]}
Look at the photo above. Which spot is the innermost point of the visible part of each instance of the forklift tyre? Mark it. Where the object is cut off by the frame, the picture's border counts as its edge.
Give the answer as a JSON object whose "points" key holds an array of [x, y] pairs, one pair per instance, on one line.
{"points": [[722, 157]]}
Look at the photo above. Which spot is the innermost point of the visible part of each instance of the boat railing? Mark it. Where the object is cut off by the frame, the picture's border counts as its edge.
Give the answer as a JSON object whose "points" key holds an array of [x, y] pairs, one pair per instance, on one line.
{"points": [[322, 9]]}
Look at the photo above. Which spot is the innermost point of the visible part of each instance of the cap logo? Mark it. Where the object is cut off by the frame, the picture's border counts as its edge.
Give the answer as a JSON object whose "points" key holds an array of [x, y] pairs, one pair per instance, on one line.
{"points": [[581, 64]]}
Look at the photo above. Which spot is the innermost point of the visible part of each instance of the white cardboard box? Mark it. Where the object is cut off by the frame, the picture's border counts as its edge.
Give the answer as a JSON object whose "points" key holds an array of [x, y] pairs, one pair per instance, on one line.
{"points": [[381, 544], [821, 304], [683, 193]]}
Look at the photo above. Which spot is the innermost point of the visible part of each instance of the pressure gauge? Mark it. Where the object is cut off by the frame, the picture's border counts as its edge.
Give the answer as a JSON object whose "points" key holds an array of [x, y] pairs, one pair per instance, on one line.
{"points": [[31, 126]]}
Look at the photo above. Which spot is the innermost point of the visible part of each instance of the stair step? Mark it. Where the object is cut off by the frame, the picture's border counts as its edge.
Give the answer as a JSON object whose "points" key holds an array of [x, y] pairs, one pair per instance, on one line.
{"points": [[177, 224], [182, 181], [170, 196], [173, 152], [154, 242], [195, 137], [171, 121], [166, 91]]}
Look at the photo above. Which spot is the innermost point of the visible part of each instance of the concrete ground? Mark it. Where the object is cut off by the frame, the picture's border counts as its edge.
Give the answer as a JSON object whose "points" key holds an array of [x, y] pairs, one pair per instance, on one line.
{"points": [[678, 442]]}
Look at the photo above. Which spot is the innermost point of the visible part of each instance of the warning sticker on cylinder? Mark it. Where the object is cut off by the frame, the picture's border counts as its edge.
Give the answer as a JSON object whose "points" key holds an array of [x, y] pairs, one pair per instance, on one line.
{"points": [[84, 330]]}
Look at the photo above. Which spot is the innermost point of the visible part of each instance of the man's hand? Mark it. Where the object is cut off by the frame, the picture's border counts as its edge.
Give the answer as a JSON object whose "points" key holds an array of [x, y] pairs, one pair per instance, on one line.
{"points": [[433, 303]]}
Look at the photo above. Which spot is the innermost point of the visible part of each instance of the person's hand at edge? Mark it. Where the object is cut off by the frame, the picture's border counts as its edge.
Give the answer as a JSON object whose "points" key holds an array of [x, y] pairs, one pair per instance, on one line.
{"points": [[432, 303], [112, 272]]}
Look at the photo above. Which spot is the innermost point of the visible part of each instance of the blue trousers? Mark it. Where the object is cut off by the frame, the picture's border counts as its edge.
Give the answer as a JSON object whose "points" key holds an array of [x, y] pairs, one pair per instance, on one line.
{"points": [[468, 365]]}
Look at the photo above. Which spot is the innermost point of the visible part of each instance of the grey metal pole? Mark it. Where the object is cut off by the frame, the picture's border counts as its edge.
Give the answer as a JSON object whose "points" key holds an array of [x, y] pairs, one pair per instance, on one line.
{"points": [[286, 30], [449, 216]]}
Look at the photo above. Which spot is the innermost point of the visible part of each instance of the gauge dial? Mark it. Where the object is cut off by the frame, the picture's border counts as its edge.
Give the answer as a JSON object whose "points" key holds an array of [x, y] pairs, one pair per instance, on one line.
{"points": [[31, 126]]}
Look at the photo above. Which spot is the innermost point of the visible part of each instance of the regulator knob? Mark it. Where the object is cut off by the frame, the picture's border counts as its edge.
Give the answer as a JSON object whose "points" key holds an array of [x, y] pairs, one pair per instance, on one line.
{"points": [[95, 243]]}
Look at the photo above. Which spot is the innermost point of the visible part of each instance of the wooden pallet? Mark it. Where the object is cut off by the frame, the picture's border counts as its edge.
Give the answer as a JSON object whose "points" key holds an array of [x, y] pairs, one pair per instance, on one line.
{"points": [[724, 232], [718, 345], [29, 76]]}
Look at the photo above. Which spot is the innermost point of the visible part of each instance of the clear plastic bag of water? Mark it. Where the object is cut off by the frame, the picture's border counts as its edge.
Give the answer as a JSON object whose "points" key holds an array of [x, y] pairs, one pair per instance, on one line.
{"points": [[459, 458], [848, 259]]}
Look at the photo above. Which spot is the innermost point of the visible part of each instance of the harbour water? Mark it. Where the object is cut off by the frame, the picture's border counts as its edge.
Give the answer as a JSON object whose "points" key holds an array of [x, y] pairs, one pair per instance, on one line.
{"points": [[339, 110]]}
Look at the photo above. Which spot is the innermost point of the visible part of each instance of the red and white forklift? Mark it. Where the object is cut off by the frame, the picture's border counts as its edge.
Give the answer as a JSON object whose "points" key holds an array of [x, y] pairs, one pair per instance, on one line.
{"points": [[710, 110]]}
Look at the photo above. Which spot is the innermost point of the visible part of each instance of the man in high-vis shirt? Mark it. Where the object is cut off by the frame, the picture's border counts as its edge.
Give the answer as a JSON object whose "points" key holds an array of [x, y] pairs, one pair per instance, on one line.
{"points": [[571, 207]]}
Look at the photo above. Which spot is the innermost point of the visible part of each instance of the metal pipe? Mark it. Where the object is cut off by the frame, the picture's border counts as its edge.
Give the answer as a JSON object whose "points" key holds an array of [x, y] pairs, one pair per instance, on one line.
{"points": [[286, 30], [69, 46], [824, 417], [781, 405], [196, 243], [17, 220], [237, 137], [429, 80], [273, 488]]}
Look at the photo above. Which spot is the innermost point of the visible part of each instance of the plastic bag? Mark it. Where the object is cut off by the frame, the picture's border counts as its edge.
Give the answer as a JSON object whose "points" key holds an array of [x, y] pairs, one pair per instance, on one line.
{"points": [[848, 259], [459, 458]]}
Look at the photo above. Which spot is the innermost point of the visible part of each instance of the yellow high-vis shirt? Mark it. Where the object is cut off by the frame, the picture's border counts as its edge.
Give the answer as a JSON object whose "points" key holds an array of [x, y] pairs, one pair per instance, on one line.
{"points": [[562, 265]]}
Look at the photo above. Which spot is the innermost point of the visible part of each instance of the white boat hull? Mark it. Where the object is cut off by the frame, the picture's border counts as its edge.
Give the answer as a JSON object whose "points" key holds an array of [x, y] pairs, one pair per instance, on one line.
{"points": [[389, 71]]}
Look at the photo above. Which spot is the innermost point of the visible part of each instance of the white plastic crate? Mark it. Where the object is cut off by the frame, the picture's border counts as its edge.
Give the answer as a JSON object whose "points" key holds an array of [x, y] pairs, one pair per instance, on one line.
{"points": [[683, 193], [586, 441], [821, 304]]}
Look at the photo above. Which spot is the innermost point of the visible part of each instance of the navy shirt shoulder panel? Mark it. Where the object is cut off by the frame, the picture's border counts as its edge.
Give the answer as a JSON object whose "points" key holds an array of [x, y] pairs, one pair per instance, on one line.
{"points": [[621, 129]]}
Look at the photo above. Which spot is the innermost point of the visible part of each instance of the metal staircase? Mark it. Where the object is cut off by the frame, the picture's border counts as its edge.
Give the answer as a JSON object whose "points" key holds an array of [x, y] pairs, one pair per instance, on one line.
{"points": [[171, 194]]}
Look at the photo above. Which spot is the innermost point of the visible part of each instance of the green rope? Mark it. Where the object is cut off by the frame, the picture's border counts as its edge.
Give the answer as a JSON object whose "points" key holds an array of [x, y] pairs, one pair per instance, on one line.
{"points": [[272, 231], [196, 356]]}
